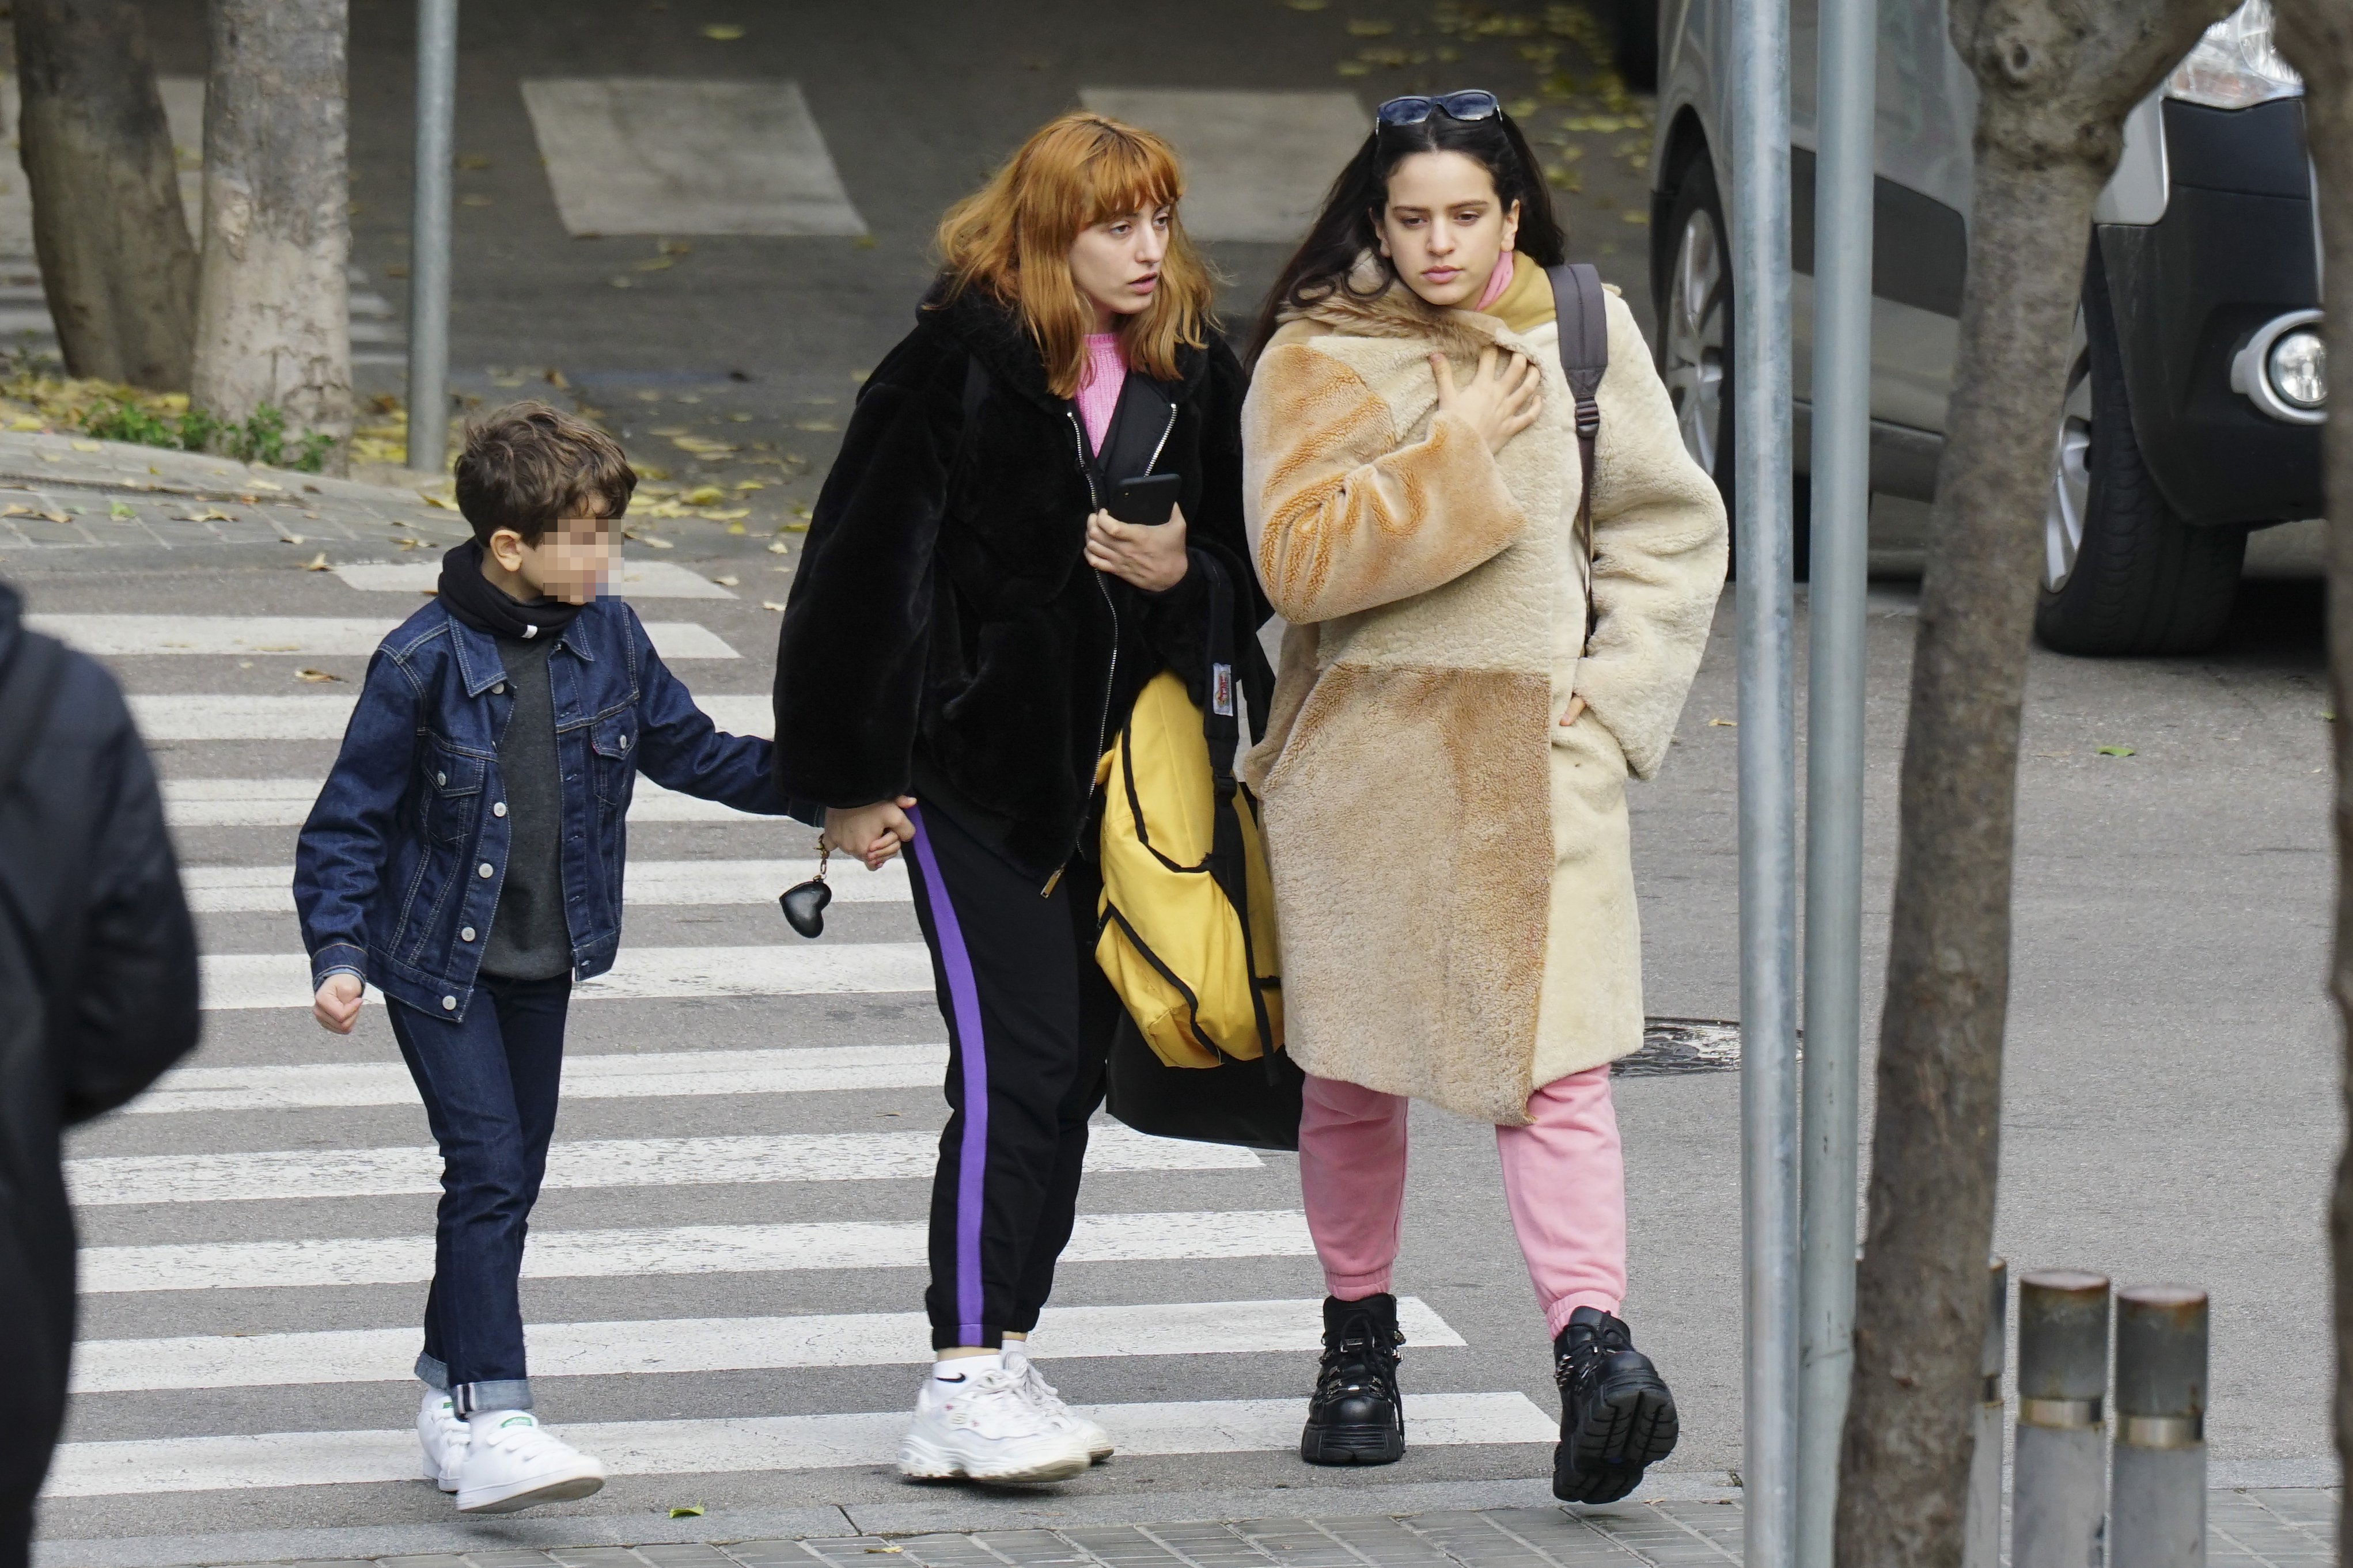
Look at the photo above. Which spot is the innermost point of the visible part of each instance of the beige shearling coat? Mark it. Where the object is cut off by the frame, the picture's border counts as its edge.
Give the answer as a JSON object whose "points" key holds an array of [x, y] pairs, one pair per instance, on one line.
{"points": [[1452, 868]]}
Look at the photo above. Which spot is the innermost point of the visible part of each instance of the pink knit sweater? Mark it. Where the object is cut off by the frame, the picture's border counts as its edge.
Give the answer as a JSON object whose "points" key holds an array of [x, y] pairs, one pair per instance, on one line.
{"points": [[1099, 388]]}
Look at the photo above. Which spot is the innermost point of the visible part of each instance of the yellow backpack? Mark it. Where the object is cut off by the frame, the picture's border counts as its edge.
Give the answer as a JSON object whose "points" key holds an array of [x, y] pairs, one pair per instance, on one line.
{"points": [[1186, 917]]}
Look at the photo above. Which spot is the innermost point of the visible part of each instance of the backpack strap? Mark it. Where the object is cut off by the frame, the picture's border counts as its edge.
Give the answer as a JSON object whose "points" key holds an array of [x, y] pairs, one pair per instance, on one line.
{"points": [[1581, 314]]}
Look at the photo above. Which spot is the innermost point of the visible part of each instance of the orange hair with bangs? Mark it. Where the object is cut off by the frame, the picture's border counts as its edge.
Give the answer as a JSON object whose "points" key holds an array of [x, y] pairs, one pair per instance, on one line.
{"points": [[1012, 237]]}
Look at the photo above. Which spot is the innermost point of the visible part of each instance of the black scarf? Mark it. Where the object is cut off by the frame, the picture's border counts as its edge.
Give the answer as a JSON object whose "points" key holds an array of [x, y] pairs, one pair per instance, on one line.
{"points": [[483, 605]]}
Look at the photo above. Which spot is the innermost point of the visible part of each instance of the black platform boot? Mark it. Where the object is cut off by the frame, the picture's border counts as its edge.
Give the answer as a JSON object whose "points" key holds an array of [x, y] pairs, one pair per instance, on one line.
{"points": [[1617, 1418], [1355, 1417]]}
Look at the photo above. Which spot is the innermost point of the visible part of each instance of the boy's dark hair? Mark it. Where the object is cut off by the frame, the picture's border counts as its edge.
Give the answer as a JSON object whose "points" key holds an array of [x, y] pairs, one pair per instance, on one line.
{"points": [[528, 466]]}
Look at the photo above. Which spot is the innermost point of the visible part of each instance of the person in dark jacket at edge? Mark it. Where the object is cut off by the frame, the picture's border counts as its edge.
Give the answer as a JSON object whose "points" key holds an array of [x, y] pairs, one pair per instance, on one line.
{"points": [[968, 631], [98, 995]]}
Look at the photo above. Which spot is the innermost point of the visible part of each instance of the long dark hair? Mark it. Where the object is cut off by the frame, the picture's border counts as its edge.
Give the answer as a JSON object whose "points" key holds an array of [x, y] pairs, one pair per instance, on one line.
{"points": [[1344, 229]]}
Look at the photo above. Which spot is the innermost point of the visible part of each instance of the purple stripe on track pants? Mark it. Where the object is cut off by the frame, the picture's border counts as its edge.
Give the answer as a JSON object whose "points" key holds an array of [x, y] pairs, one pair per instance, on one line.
{"points": [[971, 1159]]}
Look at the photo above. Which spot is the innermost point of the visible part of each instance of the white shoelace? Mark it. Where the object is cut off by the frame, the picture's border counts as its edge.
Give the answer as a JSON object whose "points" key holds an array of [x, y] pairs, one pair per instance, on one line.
{"points": [[525, 1441], [1041, 1392]]}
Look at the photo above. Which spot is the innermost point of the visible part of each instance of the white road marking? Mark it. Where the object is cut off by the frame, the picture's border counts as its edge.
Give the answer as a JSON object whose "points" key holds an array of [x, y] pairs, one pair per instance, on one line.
{"points": [[318, 636], [666, 1250], [635, 580], [269, 1174], [1256, 163], [221, 716], [650, 1075], [243, 980], [286, 803], [720, 1344], [269, 889], [657, 155], [745, 1443]]}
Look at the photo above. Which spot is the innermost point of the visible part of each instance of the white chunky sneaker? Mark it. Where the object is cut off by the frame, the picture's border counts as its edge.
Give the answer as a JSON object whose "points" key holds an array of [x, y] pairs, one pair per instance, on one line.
{"points": [[513, 1462], [1041, 1394], [980, 1426], [441, 1432]]}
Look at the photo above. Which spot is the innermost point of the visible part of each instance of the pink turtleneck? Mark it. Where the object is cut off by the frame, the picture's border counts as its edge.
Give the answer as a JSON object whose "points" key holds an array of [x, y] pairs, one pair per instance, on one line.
{"points": [[1106, 372], [1497, 281]]}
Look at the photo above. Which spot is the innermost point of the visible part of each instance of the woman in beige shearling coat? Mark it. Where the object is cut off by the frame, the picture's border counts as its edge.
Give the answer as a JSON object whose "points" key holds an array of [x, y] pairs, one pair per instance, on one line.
{"points": [[1444, 777]]}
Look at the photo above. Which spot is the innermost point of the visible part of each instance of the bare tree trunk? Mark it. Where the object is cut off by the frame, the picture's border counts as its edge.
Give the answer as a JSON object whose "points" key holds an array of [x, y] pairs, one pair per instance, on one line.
{"points": [[2055, 79], [117, 264], [272, 317], [2317, 35]]}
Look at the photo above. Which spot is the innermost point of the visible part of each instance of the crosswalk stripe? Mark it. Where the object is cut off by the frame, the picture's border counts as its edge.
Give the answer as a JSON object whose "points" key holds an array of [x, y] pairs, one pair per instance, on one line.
{"points": [[743, 1443], [285, 1174], [317, 636], [224, 716], [720, 1344], [245, 980], [676, 1249], [651, 1075], [634, 580], [286, 803], [269, 889]]}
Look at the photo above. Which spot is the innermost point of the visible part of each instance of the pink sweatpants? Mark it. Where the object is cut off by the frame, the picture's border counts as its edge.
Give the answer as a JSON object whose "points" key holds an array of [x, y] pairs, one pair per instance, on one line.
{"points": [[1563, 1178]]}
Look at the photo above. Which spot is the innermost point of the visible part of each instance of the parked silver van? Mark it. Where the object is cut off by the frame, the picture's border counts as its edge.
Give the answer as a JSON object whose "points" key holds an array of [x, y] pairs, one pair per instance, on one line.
{"points": [[2199, 384]]}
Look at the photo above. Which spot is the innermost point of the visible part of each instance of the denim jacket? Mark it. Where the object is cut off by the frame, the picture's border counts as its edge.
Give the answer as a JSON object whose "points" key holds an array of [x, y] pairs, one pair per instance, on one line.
{"points": [[396, 877]]}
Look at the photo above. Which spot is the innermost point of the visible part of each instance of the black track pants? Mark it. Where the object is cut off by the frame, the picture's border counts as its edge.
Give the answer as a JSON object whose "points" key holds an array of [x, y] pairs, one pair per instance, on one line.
{"points": [[1030, 1019]]}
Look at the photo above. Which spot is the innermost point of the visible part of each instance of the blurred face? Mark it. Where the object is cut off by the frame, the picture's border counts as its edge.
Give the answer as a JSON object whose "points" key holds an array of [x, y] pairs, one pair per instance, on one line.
{"points": [[1444, 227], [1116, 262], [569, 564]]}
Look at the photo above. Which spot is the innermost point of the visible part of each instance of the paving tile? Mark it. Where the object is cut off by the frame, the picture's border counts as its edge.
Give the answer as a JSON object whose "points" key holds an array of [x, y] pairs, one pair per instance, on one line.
{"points": [[771, 1555]]}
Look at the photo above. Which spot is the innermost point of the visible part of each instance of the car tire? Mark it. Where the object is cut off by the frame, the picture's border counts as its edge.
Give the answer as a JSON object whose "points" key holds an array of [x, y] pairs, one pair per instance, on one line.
{"points": [[1694, 292], [2122, 573]]}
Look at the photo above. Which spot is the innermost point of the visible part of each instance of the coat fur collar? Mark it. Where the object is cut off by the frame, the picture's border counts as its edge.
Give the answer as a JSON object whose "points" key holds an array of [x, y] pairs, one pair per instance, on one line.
{"points": [[997, 336], [1374, 302]]}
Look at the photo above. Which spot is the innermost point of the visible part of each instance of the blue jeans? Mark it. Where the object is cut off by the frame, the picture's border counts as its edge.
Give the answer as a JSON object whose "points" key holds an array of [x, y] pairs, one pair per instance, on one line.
{"points": [[490, 1083]]}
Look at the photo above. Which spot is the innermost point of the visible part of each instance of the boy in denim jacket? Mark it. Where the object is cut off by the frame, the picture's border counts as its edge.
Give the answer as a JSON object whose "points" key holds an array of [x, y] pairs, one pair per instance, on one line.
{"points": [[465, 857]]}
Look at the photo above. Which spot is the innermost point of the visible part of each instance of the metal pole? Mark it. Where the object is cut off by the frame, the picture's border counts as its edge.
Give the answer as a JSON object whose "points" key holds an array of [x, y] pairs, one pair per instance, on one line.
{"points": [[2156, 1512], [2059, 1491], [1768, 1086], [1981, 1527], [1846, 116], [428, 247]]}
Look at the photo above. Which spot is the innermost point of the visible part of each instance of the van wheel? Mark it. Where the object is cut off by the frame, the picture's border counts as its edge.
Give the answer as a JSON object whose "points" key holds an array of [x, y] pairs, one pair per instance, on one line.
{"points": [[2121, 574]]}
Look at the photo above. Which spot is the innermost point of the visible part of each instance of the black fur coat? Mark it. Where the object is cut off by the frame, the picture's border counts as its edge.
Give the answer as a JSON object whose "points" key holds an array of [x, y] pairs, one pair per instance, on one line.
{"points": [[944, 636]]}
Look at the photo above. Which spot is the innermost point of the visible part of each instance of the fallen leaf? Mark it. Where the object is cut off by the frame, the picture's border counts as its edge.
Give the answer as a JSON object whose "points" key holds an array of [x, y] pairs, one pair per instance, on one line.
{"points": [[1723, 724], [210, 514], [2115, 752], [254, 484], [877, 1550], [473, 199], [25, 423], [13, 509], [703, 495], [88, 446], [727, 582], [317, 563], [770, 605], [649, 471], [410, 543], [555, 378], [687, 1510], [292, 539], [819, 424], [794, 528], [778, 547], [657, 543], [751, 484], [315, 677], [121, 513], [622, 282], [444, 503], [736, 528], [721, 33], [658, 264]]}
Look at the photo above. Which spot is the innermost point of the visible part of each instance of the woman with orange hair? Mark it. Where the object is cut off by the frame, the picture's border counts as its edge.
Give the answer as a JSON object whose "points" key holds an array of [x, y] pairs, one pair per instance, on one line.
{"points": [[968, 630]]}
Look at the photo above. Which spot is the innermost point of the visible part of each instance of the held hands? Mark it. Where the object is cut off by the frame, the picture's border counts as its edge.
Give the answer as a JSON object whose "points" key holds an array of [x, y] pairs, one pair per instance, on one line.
{"points": [[1149, 555], [871, 833], [337, 1005], [1503, 399]]}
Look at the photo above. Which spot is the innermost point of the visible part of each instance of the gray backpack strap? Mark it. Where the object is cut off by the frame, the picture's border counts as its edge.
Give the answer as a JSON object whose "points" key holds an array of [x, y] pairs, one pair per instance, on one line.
{"points": [[1582, 318]]}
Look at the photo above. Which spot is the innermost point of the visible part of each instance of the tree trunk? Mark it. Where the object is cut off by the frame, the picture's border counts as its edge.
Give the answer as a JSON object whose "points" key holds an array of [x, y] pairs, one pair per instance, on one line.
{"points": [[2317, 35], [117, 264], [273, 317], [2055, 79]]}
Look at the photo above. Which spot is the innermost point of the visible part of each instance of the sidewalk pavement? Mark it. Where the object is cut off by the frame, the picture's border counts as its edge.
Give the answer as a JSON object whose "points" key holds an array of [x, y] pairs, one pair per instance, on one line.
{"points": [[2252, 1526], [71, 490]]}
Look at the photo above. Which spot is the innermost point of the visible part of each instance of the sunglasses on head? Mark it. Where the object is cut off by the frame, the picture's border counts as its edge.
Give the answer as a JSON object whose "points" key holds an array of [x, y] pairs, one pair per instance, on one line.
{"points": [[1476, 103]]}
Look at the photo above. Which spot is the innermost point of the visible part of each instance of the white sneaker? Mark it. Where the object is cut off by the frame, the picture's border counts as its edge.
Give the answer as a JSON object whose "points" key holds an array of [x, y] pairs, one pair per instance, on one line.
{"points": [[982, 1427], [513, 1462], [1041, 1394], [442, 1432]]}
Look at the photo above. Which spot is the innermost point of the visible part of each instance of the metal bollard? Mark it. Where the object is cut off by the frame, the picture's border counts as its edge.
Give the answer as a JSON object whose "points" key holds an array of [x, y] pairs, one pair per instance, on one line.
{"points": [[1981, 1527], [2059, 1491], [2157, 1504]]}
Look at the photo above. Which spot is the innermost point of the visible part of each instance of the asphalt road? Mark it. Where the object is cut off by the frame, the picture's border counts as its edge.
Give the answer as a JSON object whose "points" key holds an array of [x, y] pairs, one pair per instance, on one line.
{"points": [[2170, 1114]]}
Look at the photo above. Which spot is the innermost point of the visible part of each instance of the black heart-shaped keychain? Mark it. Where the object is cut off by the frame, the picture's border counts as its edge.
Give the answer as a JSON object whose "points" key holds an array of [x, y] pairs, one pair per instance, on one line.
{"points": [[803, 905]]}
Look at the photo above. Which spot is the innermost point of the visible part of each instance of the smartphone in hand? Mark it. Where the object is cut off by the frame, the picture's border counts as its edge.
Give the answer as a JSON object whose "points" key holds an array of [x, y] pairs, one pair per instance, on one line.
{"points": [[1148, 498]]}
